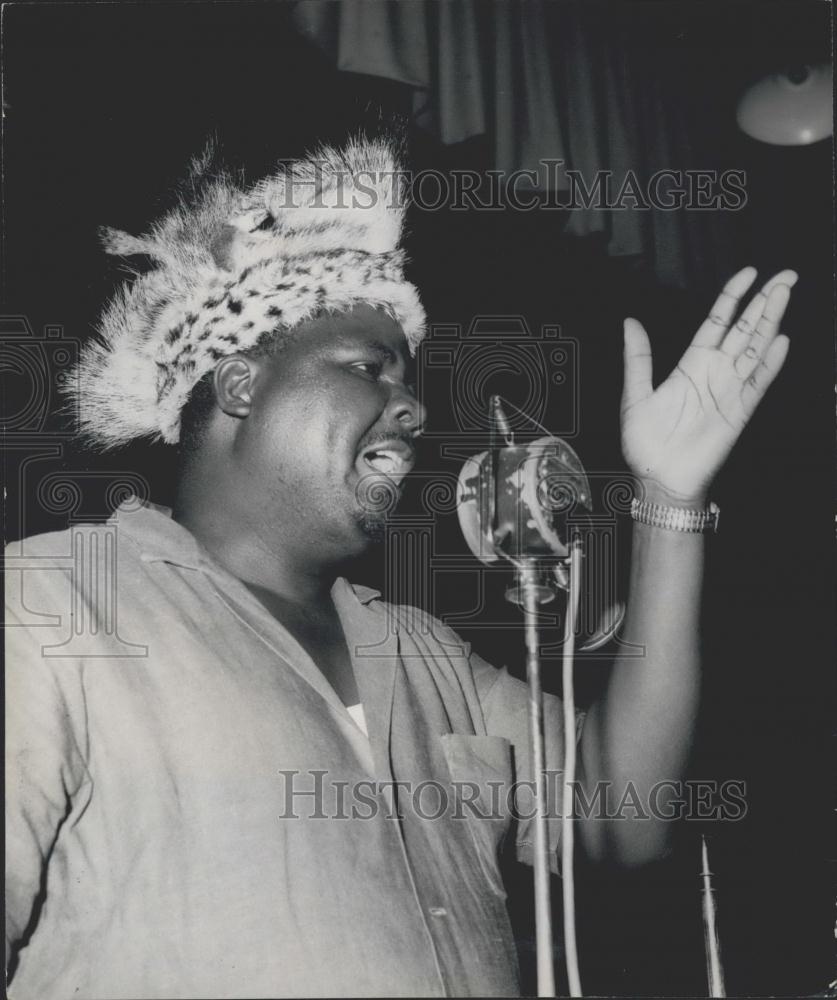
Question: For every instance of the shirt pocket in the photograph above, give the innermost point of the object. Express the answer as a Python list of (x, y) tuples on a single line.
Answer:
[(481, 772)]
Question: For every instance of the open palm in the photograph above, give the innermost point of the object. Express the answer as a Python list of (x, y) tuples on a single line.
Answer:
[(676, 437)]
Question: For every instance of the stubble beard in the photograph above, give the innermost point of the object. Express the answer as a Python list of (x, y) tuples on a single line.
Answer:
[(375, 508), (373, 526)]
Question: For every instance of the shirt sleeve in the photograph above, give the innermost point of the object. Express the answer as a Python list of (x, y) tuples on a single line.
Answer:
[(45, 762), (505, 706)]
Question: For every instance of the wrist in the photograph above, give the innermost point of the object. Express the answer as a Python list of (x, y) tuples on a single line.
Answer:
[(652, 491)]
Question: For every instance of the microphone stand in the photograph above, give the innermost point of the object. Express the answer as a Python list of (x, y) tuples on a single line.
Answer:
[(505, 518), (531, 590), (501, 505)]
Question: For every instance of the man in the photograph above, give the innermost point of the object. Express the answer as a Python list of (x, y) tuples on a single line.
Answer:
[(234, 811)]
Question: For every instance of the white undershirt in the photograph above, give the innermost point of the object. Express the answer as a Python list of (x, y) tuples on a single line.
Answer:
[(357, 713)]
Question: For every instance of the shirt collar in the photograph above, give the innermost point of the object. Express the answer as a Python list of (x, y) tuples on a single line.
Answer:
[(161, 539)]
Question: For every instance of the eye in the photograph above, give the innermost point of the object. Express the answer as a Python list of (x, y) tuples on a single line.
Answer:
[(371, 369)]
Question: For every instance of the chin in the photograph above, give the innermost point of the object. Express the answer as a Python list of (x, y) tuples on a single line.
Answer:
[(373, 526), (377, 502)]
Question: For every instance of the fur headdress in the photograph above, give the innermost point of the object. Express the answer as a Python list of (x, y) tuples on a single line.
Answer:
[(232, 266)]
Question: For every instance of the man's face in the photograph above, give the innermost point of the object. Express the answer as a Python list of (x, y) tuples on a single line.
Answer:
[(330, 433)]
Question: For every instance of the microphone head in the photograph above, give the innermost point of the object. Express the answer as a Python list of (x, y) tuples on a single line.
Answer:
[(516, 501)]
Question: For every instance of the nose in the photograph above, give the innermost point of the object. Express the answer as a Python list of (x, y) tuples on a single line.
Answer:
[(406, 409)]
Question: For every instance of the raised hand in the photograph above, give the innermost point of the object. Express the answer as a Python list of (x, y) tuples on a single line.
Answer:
[(676, 437)]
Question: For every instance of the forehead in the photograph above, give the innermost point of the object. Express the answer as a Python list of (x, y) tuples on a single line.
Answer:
[(362, 326)]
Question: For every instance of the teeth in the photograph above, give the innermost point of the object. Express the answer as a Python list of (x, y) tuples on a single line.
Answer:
[(384, 461), (392, 462)]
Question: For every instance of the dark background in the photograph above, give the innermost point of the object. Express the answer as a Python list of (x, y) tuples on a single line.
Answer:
[(105, 105)]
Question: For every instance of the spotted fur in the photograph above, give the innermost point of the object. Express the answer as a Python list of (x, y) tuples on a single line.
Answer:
[(230, 266)]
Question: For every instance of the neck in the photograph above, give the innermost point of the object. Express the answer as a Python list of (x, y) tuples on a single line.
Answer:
[(264, 553)]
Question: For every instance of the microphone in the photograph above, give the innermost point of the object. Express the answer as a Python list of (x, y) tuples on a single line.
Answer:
[(515, 501), (522, 504)]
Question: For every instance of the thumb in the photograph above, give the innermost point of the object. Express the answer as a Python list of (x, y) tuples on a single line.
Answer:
[(638, 364)]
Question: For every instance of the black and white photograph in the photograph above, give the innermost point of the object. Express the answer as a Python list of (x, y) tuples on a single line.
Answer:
[(418, 510)]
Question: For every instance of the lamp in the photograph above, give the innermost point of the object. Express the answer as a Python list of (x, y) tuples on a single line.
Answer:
[(793, 108)]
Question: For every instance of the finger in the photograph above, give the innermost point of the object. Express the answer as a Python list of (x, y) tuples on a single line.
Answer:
[(739, 336), (638, 364), (722, 313), (768, 368), (764, 332)]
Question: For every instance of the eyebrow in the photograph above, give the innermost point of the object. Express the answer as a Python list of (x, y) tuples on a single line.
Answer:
[(383, 350), (375, 346)]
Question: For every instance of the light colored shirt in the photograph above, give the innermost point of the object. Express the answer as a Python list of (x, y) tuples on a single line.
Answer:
[(164, 736), (357, 713)]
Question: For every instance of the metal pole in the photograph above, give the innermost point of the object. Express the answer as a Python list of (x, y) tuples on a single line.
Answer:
[(567, 828), (543, 912), (714, 969)]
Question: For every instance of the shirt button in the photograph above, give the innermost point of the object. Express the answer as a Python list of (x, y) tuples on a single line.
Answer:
[(438, 911)]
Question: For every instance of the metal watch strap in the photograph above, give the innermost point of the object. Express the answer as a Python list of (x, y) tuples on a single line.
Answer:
[(676, 518)]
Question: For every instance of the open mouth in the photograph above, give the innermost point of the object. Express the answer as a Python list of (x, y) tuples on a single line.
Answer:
[(393, 458)]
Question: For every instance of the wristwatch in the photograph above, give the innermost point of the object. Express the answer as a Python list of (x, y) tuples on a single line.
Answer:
[(676, 518)]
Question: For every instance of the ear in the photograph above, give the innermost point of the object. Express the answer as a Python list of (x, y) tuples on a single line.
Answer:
[(234, 383)]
